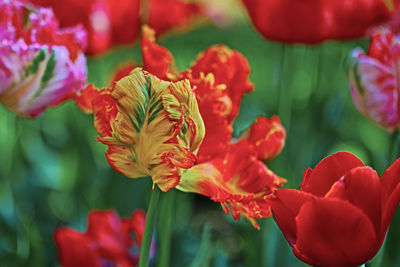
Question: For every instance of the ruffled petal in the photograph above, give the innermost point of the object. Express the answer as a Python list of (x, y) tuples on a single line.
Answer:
[(374, 89), (229, 67), (40, 64), (328, 171), (238, 180), (156, 59), (215, 106), (333, 232), (84, 98), (267, 136)]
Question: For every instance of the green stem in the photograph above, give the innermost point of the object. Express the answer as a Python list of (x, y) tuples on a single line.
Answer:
[(285, 94), (167, 215), (391, 156), (392, 151), (148, 229)]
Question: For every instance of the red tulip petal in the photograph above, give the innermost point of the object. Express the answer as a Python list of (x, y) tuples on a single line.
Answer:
[(390, 182), (123, 71), (268, 136), (328, 171), (333, 232), (168, 14), (314, 21), (285, 205), (238, 179), (156, 59), (75, 249), (361, 187), (229, 67), (84, 98)]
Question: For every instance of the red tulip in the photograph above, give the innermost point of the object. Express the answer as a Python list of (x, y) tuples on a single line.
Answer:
[(373, 79), (342, 212), (107, 241), (314, 21)]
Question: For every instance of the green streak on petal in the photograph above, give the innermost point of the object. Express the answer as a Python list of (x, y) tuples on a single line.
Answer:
[(357, 77), (33, 68), (48, 72)]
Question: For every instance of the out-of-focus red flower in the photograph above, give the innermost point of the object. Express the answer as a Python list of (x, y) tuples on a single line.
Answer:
[(342, 212), (41, 65), (107, 241), (373, 79), (110, 22), (229, 171), (315, 21)]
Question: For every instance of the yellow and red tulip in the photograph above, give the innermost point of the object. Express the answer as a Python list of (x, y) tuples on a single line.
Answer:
[(229, 171), (152, 127)]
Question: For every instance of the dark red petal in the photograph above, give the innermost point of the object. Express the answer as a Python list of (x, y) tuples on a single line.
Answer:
[(125, 20), (390, 183), (333, 232), (285, 205), (328, 171), (314, 21), (361, 187), (75, 249), (168, 14)]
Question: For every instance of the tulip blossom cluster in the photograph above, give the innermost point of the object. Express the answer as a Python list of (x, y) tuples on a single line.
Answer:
[(342, 212), (373, 79), (314, 21), (229, 171), (107, 241), (40, 64), (111, 22)]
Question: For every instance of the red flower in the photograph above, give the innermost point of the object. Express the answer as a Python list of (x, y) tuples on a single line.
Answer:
[(373, 79), (107, 240), (315, 21), (110, 22), (342, 212), (229, 171), (41, 64)]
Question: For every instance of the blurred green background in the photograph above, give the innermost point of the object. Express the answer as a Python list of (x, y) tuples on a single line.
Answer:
[(52, 171)]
